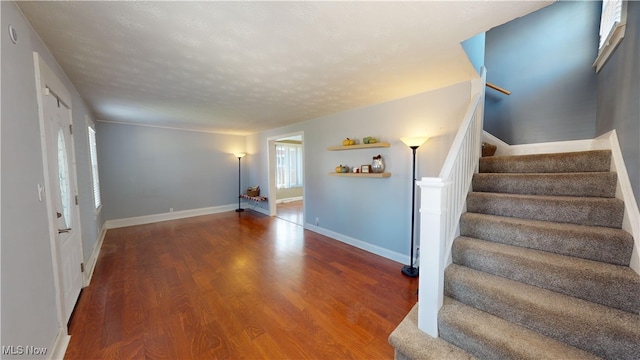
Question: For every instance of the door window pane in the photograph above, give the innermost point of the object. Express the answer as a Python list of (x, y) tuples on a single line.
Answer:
[(63, 177), (288, 166), (94, 167)]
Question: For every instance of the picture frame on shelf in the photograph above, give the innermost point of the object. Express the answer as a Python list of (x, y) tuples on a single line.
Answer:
[(365, 169)]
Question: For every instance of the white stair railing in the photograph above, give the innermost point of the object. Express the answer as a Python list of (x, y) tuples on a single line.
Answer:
[(443, 200)]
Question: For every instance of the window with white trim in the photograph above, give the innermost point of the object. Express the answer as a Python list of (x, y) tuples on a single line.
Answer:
[(93, 159), (288, 166), (613, 21)]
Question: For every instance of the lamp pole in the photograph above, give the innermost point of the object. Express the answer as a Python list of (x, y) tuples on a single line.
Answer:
[(239, 156), (410, 270), (414, 143)]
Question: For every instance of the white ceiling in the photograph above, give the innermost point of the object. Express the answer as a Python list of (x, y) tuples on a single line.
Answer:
[(243, 67)]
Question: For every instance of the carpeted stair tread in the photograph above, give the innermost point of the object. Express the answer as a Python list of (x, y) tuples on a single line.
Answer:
[(566, 209), (597, 243), (593, 184), (410, 342), (611, 285), (583, 161), (598, 329), (489, 337)]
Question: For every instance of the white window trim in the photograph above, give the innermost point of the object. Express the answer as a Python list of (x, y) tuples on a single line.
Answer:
[(91, 125), (615, 36)]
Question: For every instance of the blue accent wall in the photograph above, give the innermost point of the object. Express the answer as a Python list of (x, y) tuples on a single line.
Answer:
[(545, 59), (619, 96), (474, 47)]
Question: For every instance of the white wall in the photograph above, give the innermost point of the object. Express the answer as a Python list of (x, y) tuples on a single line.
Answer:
[(370, 210), (28, 295)]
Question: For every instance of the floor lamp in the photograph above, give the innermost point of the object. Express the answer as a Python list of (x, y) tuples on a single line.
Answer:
[(239, 156), (414, 143)]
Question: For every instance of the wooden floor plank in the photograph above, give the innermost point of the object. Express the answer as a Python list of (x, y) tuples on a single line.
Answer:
[(237, 286)]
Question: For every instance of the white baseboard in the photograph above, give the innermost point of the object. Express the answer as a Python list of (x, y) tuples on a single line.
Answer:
[(291, 199), (631, 222), (60, 345), (90, 265), (543, 148), (149, 219), (380, 251), (552, 147)]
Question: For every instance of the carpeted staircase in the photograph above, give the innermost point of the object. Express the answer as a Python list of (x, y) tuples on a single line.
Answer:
[(540, 270)]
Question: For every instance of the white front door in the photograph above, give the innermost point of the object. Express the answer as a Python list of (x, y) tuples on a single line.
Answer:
[(62, 192)]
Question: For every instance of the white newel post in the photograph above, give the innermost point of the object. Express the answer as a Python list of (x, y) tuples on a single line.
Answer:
[(433, 192)]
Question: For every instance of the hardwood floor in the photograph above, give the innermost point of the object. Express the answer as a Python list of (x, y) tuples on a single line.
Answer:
[(237, 286), (291, 211)]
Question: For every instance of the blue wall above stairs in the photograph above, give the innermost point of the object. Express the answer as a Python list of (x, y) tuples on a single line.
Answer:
[(545, 59)]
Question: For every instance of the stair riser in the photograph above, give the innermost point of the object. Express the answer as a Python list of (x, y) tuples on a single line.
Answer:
[(410, 342), (602, 244), (602, 284), (581, 211), (483, 335), (585, 185), (589, 161), (471, 342), (606, 332)]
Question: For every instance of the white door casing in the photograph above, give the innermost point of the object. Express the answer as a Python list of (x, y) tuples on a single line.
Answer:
[(54, 104), (271, 170)]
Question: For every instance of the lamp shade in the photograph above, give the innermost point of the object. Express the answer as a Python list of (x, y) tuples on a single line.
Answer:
[(416, 141), (239, 155)]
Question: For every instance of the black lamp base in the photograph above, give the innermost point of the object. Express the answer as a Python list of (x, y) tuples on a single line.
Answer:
[(239, 210), (410, 271)]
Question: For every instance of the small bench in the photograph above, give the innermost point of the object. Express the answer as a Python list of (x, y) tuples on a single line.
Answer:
[(254, 198)]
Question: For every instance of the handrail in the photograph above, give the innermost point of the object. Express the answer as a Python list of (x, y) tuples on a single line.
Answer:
[(495, 87)]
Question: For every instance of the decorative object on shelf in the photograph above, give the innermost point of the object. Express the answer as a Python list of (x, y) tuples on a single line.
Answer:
[(253, 191), (369, 140), (414, 143), (348, 142), (239, 156), (359, 146), (361, 174), (363, 171), (377, 166)]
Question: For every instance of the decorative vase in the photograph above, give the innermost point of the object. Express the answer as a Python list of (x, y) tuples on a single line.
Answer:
[(377, 166)]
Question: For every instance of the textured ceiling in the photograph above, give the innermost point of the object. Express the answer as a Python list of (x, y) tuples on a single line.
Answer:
[(242, 67)]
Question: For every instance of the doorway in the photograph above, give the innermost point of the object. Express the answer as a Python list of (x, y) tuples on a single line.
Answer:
[(54, 103), (286, 177)]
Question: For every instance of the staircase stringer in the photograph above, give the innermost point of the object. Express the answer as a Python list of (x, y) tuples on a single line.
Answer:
[(624, 191)]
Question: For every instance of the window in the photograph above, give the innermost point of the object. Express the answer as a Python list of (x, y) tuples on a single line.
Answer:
[(93, 159), (613, 21), (288, 166)]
